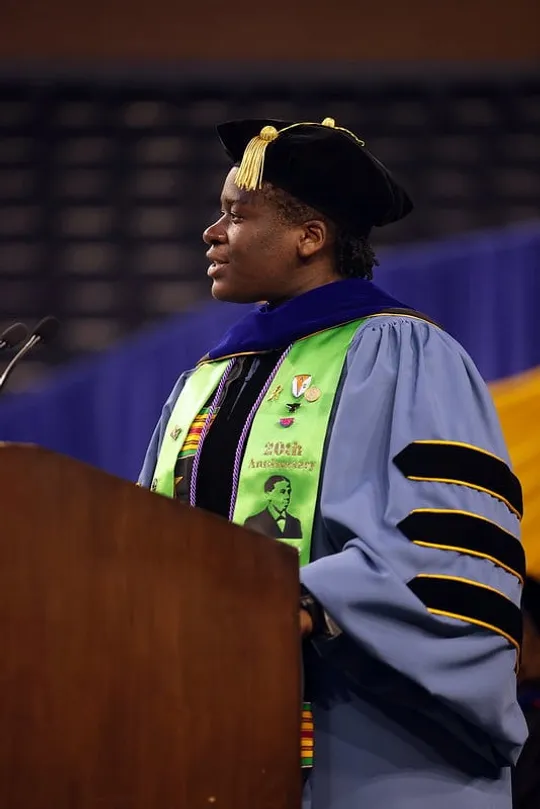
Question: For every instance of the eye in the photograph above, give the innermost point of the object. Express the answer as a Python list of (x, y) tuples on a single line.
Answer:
[(235, 217)]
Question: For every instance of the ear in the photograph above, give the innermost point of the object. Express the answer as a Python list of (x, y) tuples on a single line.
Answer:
[(314, 236)]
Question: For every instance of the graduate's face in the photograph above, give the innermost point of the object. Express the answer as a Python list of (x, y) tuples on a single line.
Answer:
[(255, 255)]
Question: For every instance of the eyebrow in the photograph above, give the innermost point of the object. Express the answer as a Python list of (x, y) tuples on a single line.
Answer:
[(243, 198), (230, 201)]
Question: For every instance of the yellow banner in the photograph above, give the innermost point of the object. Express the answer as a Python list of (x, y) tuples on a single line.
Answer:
[(518, 403)]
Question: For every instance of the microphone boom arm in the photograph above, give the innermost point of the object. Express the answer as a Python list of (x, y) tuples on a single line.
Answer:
[(18, 356), (45, 330)]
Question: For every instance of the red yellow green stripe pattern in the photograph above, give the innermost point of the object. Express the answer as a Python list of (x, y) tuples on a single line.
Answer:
[(190, 445), (306, 736)]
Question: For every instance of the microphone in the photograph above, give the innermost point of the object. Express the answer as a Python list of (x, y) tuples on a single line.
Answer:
[(44, 332), (13, 335)]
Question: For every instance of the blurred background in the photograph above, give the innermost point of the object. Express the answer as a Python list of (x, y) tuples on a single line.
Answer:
[(110, 170)]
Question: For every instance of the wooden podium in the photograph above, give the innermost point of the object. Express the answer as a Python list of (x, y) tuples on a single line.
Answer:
[(149, 652)]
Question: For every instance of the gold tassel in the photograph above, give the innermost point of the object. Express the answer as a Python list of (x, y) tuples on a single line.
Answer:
[(250, 172)]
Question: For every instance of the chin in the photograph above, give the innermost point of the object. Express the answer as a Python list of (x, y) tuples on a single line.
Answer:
[(227, 293)]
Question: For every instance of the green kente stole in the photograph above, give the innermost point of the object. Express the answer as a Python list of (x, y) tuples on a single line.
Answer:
[(276, 476)]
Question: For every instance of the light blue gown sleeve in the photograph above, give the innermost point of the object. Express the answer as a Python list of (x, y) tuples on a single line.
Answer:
[(426, 573), (150, 459)]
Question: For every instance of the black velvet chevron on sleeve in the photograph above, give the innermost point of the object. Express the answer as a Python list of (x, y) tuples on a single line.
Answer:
[(465, 533), (450, 462), (470, 602)]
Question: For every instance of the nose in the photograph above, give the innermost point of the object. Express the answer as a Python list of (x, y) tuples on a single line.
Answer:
[(215, 234)]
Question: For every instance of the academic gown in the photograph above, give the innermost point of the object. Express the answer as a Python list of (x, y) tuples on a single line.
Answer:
[(411, 708)]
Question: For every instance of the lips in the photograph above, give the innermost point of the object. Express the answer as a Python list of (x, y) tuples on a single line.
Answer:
[(217, 265), (216, 259), (216, 271)]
